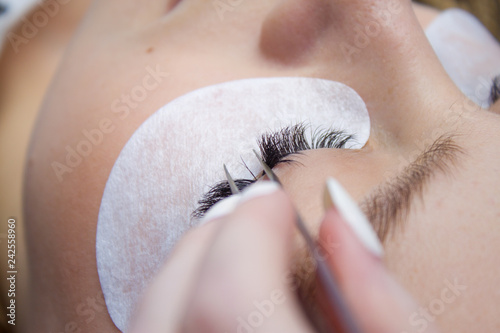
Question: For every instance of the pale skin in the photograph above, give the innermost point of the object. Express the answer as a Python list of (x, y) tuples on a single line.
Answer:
[(207, 256), (404, 86)]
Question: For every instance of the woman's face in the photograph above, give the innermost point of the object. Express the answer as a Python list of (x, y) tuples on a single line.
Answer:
[(428, 176)]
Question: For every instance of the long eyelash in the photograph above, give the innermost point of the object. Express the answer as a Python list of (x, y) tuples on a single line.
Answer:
[(274, 149), (495, 90), (217, 193)]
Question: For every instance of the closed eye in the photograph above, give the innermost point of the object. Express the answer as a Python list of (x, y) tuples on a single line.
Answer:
[(275, 148)]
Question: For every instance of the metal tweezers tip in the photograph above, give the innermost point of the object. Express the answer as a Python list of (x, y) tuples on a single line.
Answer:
[(267, 170), (230, 180)]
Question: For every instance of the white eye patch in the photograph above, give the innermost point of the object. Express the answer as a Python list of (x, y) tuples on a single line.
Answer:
[(177, 154), (468, 51)]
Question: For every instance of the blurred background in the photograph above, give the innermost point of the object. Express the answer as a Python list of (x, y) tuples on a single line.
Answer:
[(25, 74)]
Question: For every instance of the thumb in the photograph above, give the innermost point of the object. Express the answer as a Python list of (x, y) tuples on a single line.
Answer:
[(378, 303)]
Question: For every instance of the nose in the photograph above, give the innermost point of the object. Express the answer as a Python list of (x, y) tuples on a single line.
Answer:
[(293, 28), (377, 47)]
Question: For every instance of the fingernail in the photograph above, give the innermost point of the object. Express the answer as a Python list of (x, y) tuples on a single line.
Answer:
[(337, 196), (259, 189), (221, 209)]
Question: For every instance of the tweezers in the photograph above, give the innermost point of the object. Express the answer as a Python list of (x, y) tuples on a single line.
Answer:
[(343, 321)]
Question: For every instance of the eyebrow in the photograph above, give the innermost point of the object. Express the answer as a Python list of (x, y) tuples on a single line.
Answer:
[(386, 207), (389, 204)]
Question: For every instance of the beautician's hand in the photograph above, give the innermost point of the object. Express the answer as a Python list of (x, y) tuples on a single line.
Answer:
[(229, 275)]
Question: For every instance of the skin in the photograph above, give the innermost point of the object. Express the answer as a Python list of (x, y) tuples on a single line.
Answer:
[(403, 84), (213, 265), (24, 79)]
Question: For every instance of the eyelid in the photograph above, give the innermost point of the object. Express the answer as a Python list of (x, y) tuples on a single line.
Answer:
[(274, 148), (286, 160)]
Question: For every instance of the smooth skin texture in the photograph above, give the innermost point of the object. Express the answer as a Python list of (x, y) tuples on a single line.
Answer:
[(207, 255), (26, 70), (408, 94)]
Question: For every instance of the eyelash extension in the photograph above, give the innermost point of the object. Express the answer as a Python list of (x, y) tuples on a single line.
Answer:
[(217, 193), (495, 90), (274, 149)]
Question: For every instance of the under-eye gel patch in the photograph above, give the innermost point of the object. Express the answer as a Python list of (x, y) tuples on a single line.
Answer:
[(468, 51), (178, 153)]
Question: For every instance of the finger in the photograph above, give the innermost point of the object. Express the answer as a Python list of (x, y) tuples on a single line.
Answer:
[(117, 15), (166, 298), (242, 282), (379, 304)]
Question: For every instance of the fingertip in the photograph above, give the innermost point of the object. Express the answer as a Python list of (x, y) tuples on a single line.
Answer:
[(376, 299), (327, 227), (266, 204)]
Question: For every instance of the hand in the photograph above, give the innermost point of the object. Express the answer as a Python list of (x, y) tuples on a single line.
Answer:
[(228, 275)]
